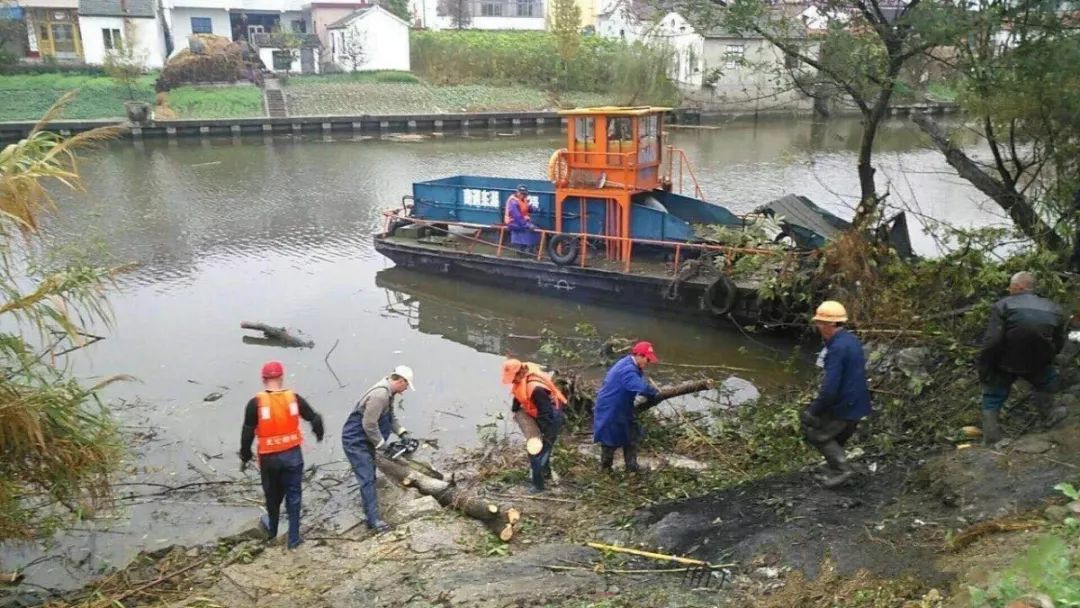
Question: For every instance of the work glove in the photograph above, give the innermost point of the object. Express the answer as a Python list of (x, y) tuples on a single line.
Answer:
[(809, 419)]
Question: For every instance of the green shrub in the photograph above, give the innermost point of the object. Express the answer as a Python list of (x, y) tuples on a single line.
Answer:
[(377, 76), (532, 59)]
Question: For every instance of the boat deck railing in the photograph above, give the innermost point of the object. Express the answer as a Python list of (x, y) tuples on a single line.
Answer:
[(679, 249)]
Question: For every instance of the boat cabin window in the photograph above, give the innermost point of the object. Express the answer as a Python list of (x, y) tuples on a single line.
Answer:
[(584, 132), (648, 138)]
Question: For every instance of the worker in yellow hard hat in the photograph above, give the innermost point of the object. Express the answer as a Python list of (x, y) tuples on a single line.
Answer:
[(844, 397)]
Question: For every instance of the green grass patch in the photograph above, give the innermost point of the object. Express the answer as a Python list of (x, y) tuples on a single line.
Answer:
[(216, 102), (940, 91), (385, 76), (28, 97)]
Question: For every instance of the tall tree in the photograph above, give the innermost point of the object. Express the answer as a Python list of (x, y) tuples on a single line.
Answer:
[(399, 8), (59, 444), (1019, 82), (566, 25), (859, 52), (459, 12)]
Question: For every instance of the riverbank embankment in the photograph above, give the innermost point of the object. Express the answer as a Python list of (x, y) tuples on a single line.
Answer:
[(372, 124)]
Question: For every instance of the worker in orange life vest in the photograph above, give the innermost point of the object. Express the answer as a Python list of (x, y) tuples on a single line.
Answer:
[(518, 220), (536, 394), (273, 416)]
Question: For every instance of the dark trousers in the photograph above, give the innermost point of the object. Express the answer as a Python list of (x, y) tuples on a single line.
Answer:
[(282, 479), (540, 465), (997, 385), (830, 429), (629, 452), (362, 458)]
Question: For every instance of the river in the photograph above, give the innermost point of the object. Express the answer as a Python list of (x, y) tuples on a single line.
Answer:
[(279, 230)]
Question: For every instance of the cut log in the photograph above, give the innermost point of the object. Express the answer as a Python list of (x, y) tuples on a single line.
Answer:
[(279, 334), (499, 519), (675, 390), (534, 443)]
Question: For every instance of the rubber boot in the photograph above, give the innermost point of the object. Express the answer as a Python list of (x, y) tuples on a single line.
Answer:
[(630, 458), (607, 458), (990, 427), (834, 454), (1051, 416)]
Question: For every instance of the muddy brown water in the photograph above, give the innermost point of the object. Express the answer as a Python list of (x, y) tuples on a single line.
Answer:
[(278, 230)]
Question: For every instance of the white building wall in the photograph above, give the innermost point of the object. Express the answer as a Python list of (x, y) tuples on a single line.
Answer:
[(426, 11), (148, 39), (181, 23), (385, 40), (267, 57), (688, 47)]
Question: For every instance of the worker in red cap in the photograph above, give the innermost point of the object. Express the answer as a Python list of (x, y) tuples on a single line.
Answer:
[(535, 393), (614, 423), (273, 415)]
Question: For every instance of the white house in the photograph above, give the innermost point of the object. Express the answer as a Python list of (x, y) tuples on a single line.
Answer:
[(108, 25), (290, 53), (687, 47), (481, 14), (628, 20), (187, 17), (374, 37)]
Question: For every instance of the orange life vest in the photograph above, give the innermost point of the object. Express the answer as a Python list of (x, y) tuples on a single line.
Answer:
[(278, 428), (523, 390), (523, 207)]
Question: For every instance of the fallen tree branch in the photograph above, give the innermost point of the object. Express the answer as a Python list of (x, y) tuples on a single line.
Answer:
[(499, 519), (279, 334)]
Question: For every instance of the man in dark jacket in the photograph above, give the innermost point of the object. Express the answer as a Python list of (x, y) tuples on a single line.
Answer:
[(1023, 335), (614, 423), (844, 397)]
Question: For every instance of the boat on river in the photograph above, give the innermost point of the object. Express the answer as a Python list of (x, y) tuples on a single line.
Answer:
[(621, 220)]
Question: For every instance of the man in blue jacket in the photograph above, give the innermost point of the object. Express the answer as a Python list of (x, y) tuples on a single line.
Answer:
[(614, 425), (844, 397)]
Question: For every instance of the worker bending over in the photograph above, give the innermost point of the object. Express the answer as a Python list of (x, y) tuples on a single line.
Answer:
[(614, 417), (535, 393)]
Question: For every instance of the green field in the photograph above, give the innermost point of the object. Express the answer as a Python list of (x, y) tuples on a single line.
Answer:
[(216, 102), (343, 94), (28, 97)]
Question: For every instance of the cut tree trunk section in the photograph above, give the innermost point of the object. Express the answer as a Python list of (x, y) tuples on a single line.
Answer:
[(676, 390), (499, 519)]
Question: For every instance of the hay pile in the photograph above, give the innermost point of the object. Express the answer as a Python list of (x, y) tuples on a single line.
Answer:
[(210, 58)]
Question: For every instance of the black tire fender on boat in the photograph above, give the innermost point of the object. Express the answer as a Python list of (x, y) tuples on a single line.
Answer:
[(563, 249), (720, 296)]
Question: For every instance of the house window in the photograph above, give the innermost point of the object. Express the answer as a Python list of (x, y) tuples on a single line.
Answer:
[(112, 39), (734, 55), (791, 62), (202, 25), (491, 8), (298, 26), (283, 60), (524, 8)]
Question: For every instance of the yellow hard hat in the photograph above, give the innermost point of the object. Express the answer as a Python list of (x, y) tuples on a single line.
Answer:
[(831, 311)]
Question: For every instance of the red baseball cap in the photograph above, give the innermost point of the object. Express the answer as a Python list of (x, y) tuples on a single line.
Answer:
[(645, 349), (273, 369)]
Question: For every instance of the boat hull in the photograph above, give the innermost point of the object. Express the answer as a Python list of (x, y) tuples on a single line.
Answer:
[(642, 292)]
